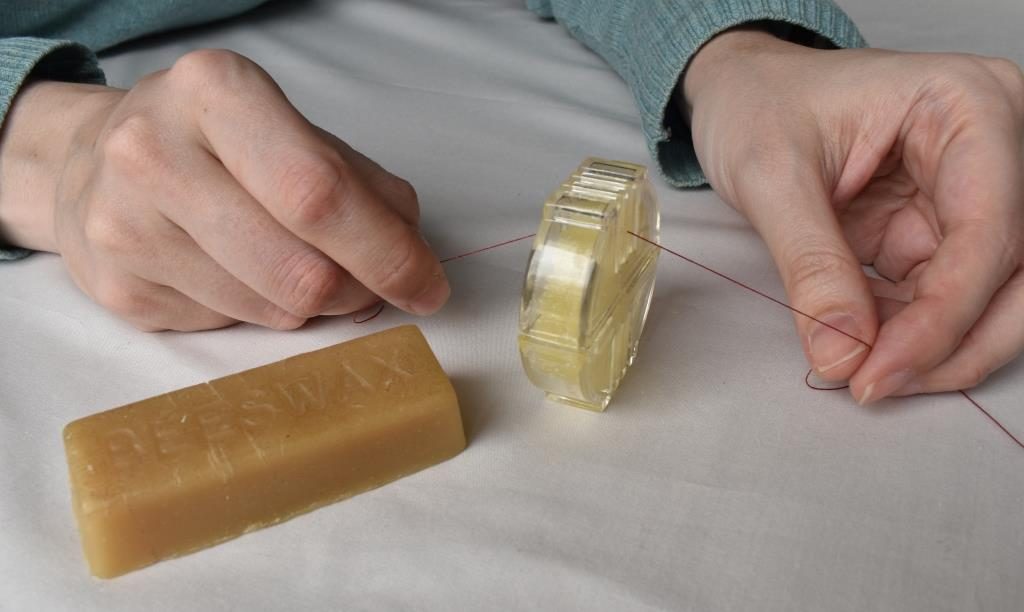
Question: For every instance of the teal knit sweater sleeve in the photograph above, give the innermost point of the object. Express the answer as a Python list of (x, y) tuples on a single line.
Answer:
[(648, 42)]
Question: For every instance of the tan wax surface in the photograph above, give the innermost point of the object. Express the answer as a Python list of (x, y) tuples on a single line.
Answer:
[(188, 469)]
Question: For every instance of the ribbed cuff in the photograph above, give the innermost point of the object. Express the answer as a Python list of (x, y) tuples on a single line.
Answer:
[(651, 42), (56, 60)]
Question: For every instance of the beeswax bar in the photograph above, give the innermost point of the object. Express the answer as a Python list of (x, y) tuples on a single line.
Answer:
[(194, 467)]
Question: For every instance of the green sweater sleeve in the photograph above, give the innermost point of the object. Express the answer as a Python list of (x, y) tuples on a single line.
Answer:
[(650, 42)]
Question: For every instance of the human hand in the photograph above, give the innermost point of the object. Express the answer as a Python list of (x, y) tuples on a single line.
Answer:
[(912, 163), (201, 197)]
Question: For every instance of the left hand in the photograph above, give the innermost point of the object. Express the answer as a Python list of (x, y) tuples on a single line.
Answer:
[(201, 197), (911, 163)]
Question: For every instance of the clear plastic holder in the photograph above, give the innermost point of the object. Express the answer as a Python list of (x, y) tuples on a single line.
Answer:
[(589, 283)]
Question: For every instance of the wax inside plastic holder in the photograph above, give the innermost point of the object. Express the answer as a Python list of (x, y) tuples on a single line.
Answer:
[(589, 283)]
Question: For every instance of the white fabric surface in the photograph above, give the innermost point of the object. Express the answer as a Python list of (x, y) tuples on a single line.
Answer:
[(715, 481)]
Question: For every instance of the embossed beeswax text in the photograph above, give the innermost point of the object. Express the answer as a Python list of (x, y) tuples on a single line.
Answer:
[(254, 412)]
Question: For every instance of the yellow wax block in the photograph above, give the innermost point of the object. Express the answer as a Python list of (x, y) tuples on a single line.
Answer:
[(188, 469)]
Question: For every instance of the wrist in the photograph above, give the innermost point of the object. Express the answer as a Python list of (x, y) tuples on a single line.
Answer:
[(38, 136), (722, 55)]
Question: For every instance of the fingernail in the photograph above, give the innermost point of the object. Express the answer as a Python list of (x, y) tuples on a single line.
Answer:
[(433, 297), (830, 349), (884, 387)]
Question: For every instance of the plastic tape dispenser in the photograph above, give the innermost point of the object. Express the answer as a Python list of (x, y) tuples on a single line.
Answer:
[(589, 283)]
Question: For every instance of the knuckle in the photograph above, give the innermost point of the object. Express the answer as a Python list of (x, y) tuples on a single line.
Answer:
[(105, 233), (1009, 72), (205, 67), (980, 85), (134, 144), (308, 283), (952, 82), (402, 190), (315, 190), (1009, 81), (406, 198), (816, 270)]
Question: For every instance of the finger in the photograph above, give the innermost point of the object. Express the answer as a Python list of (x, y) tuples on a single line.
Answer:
[(890, 297), (184, 267), (909, 239), (324, 201), (893, 231), (902, 291), (307, 186), (978, 201), (244, 240), (152, 307), (866, 217), (821, 274), (888, 308), (396, 192), (891, 226), (996, 339)]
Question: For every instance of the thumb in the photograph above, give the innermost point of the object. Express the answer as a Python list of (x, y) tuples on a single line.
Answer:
[(823, 278)]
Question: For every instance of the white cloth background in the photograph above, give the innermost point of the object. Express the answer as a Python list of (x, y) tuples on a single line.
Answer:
[(715, 481)]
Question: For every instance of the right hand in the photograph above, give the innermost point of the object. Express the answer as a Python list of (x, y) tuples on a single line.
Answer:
[(908, 162), (201, 197)]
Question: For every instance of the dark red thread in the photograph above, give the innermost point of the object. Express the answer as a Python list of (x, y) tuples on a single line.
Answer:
[(992, 418), (381, 304), (486, 248), (376, 313), (1017, 441), (807, 381), (749, 288), (800, 312)]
